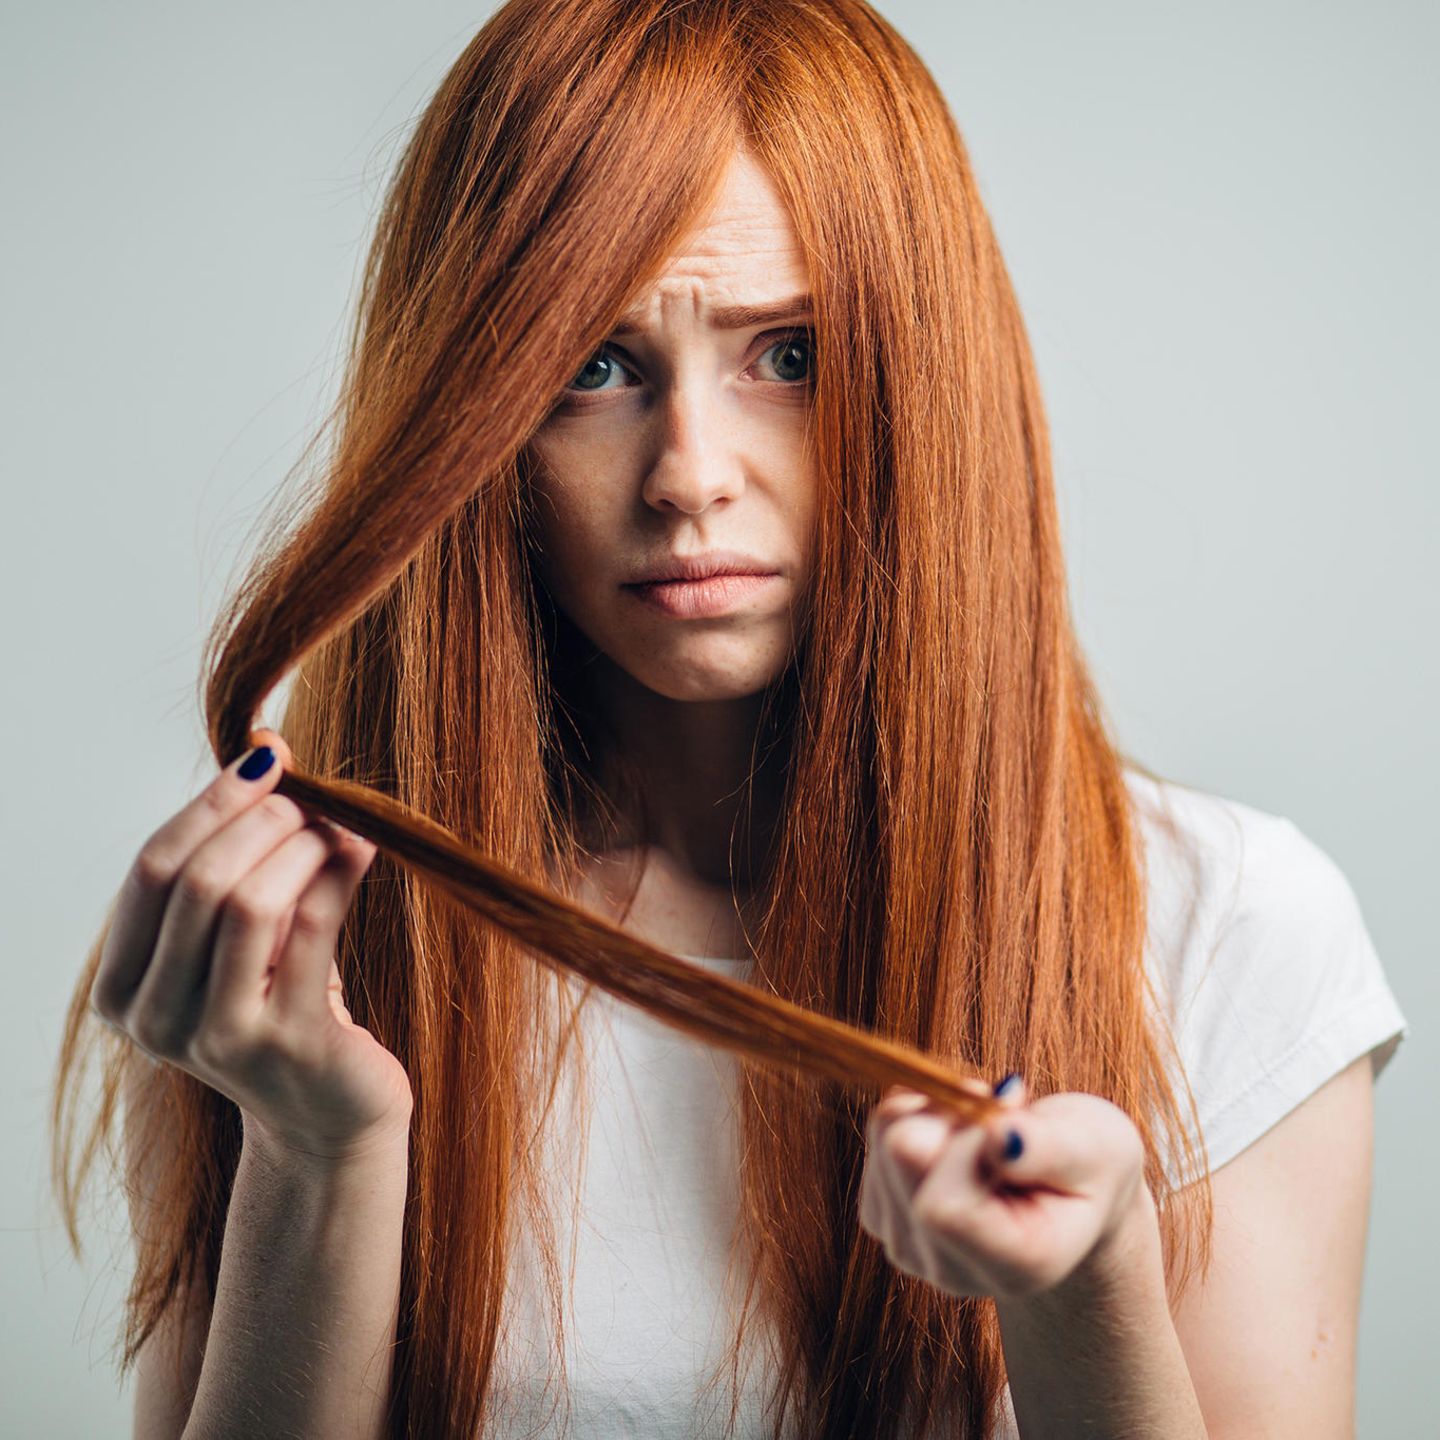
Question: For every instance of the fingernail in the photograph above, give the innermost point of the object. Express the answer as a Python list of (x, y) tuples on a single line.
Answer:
[(1008, 1084), (1014, 1145), (256, 763)]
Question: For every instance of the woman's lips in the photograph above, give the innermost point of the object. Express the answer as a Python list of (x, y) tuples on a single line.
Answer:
[(697, 599)]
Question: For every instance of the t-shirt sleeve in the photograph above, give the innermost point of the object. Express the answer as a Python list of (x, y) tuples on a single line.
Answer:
[(1289, 993)]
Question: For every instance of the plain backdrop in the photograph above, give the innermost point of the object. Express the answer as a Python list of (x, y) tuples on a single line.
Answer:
[(1222, 223)]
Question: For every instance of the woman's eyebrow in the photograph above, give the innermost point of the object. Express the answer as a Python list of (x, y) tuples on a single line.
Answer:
[(735, 317)]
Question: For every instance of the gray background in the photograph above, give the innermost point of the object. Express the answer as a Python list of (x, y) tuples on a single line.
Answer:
[(1221, 220)]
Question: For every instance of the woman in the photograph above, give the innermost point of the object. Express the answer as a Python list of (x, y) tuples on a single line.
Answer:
[(689, 546)]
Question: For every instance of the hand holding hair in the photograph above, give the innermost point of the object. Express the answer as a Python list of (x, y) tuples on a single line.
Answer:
[(221, 960), (1012, 1206)]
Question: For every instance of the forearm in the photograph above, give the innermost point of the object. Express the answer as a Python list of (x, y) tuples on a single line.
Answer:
[(302, 1331), (1098, 1356)]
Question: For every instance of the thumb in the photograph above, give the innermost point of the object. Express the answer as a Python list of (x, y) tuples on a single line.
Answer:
[(1030, 1146), (276, 742)]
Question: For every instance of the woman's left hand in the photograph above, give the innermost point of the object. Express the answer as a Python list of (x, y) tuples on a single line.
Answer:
[(955, 1204)]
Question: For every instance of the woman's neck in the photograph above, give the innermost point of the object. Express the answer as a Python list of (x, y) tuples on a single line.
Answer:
[(695, 783), (696, 792)]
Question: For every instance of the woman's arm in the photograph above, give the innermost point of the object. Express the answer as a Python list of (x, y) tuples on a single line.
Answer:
[(302, 1334), (1098, 1355), (1271, 1336), (1265, 1347), (1043, 1207)]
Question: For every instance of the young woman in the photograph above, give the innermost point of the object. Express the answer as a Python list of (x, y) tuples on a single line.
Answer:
[(690, 547)]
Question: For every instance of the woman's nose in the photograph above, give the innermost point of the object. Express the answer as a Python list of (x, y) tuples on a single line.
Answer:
[(696, 460)]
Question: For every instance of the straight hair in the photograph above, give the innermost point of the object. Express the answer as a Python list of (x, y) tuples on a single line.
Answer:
[(956, 886)]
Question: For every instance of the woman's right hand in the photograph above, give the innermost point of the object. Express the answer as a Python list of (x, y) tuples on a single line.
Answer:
[(220, 959)]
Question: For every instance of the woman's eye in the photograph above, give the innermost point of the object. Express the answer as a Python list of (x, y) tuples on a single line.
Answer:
[(789, 360), (594, 374), (793, 358)]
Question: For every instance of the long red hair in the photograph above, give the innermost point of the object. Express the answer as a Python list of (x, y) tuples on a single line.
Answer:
[(956, 883)]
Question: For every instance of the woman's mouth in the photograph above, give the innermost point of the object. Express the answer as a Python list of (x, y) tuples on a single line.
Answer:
[(699, 599)]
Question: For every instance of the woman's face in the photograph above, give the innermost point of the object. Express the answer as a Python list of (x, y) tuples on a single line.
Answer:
[(684, 435)]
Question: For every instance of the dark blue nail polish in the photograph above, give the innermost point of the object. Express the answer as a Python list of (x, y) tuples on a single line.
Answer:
[(256, 763), (1007, 1084), (1013, 1145)]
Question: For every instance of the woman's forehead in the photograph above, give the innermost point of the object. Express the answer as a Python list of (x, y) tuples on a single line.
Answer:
[(741, 265)]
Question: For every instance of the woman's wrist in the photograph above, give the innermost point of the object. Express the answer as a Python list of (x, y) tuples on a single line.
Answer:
[(1122, 1273), (1098, 1353), (380, 1152)]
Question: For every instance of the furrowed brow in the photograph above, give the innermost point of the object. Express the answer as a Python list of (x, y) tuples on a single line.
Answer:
[(736, 317)]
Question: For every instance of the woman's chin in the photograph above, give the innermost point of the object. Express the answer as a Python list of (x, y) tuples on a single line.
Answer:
[(704, 677)]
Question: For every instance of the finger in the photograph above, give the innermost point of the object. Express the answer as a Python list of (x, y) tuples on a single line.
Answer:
[(305, 967), (946, 1147), (254, 925), (912, 1144), (1035, 1148), (973, 1085), (955, 1178), (140, 905), (1010, 1095), (168, 1001), (879, 1202), (898, 1100)]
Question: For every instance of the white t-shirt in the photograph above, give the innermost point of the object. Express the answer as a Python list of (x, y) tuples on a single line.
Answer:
[(1256, 941)]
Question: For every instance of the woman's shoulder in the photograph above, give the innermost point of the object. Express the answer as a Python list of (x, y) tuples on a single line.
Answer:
[(1260, 954), (1215, 863)]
